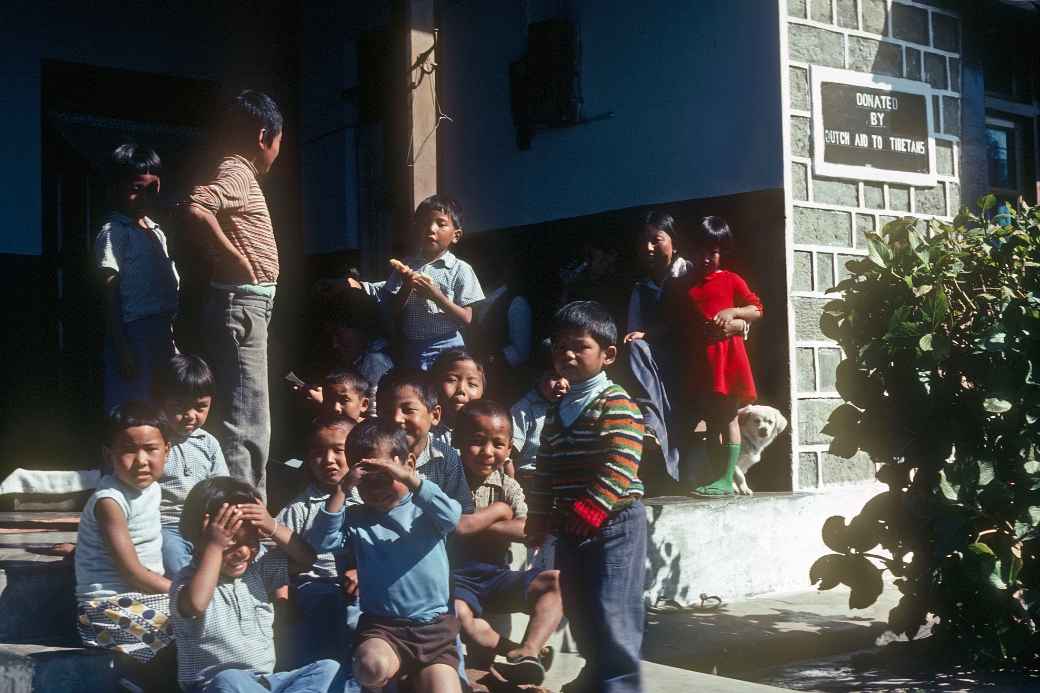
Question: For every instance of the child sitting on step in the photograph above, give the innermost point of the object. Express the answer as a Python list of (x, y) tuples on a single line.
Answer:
[(120, 589)]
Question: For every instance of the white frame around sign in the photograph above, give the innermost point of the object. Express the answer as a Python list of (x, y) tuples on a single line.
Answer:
[(821, 74)]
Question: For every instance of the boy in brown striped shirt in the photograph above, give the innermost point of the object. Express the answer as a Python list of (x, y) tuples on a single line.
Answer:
[(230, 214)]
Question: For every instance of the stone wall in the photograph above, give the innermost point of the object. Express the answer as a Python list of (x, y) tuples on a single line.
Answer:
[(827, 218)]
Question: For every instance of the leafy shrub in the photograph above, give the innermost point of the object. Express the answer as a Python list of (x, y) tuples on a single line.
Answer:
[(941, 382)]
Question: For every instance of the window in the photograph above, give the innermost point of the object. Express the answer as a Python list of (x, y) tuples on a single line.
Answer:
[(1001, 158)]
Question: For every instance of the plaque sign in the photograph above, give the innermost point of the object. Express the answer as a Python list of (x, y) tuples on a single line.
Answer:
[(871, 127)]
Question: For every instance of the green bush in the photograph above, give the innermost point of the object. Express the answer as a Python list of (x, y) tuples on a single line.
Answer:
[(941, 382)]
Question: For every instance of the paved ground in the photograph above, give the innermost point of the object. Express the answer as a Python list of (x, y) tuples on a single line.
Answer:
[(765, 631), (892, 672)]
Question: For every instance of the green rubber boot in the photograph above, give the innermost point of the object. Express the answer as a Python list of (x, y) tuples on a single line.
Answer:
[(723, 486)]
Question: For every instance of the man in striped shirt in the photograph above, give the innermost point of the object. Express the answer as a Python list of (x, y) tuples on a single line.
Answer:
[(230, 214), (586, 487)]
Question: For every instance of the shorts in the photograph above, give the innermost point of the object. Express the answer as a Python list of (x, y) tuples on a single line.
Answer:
[(490, 588), (417, 645)]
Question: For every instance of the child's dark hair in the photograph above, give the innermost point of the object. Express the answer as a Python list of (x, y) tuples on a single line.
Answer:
[(589, 317), (466, 421), (449, 358), (662, 221), (135, 413), (130, 159), (250, 112), (345, 376), (206, 497), (711, 232), (323, 421), (366, 438), (541, 359), (440, 203), (396, 378), (183, 376)]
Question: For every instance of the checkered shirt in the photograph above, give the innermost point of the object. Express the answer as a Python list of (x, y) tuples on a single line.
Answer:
[(236, 631), (422, 318), (441, 464), (196, 458), (299, 515)]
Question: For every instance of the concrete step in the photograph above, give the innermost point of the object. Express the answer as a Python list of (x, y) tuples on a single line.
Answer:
[(37, 589), (26, 668), (767, 631)]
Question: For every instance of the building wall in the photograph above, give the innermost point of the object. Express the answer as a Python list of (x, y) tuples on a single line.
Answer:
[(826, 218), (693, 87), (240, 47)]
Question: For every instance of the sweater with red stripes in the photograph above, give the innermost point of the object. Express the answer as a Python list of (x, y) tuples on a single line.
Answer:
[(589, 469)]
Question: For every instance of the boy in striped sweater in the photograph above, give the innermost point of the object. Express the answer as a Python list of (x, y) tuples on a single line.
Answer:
[(586, 488)]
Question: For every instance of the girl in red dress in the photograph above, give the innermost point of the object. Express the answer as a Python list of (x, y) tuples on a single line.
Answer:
[(719, 379)]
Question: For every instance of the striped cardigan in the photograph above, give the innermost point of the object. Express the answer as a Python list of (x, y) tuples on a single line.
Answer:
[(590, 468)]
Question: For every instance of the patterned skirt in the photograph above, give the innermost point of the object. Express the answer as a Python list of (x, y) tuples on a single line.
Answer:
[(135, 624)]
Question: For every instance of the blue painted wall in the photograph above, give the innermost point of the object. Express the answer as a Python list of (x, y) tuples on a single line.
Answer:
[(695, 88), (235, 44)]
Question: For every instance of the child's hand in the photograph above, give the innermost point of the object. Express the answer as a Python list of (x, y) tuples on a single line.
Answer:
[(220, 530), (427, 287), (257, 515), (535, 529), (350, 583), (352, 478), (394, 470), (633, 336), (354, 283), (502, 510), (724, 316)]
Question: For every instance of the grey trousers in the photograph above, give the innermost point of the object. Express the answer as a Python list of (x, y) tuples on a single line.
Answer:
[(236, 338)]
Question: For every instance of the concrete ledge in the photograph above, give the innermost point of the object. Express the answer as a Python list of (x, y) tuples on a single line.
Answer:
[(658, 678), (739, 547), (26, 668)]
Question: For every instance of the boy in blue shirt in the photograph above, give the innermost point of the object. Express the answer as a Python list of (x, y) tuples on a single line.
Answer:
[(433, 291), (398, 539)]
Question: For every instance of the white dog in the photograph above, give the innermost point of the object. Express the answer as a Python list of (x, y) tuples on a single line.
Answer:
[(759, 426)]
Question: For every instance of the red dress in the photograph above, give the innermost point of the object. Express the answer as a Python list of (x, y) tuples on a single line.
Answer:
[(718, 366)]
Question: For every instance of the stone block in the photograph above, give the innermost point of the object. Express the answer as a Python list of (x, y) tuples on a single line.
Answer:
[(812, 417), (806, 370), (951, 106), (814, 45), (910, 23), (796, 8), (808, 470), (955, 74), (799, 79), (935, 70), (824, 271), (843, 272), (829, 360), (944, 157), (873, 195), (877, 57), (884, 219), (899, 198), (807, 312), (802, 280), (800, 136), (931, 200), (847, 16), (946, 32), (821, 12), (954, 194), (836, 192), (838, 470), (864, 224), (875, 16), (913, 63), (822, 227), (799, 181)]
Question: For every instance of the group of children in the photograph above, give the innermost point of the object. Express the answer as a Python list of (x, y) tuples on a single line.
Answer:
[(418, 480)]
